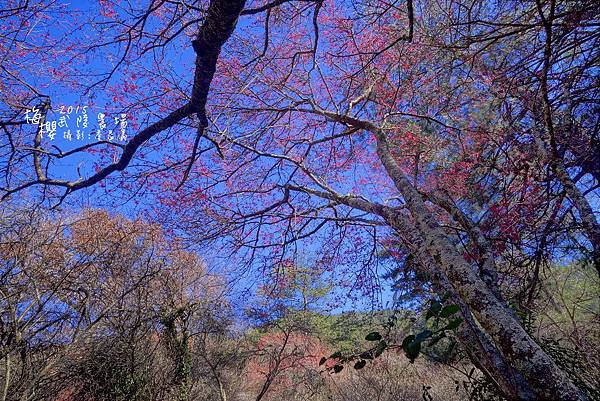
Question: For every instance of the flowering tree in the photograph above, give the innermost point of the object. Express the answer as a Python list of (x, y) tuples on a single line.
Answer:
[(284, 362), (459, 132)]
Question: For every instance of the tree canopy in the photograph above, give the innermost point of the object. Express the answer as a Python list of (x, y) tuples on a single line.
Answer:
[(456, 141)]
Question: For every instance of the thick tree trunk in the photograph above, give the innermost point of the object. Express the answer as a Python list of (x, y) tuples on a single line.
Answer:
[(480, 348), (505, 333), (524, 354), (488, 359), (487, 269), (496, 319)]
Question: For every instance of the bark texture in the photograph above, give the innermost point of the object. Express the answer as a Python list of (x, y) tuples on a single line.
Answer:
[(496, 319)]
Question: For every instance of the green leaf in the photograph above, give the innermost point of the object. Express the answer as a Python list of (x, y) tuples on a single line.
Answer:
[(337, 368), (407, 340), (360, 364), (434, 309), (449, 310), (322, 361), (412, 351), (374, 336)]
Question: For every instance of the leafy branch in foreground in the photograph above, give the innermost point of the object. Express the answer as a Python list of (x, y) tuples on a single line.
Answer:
[(444, 320)]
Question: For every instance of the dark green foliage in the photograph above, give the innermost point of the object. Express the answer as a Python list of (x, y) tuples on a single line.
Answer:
[(374, 336), (412, 344)]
